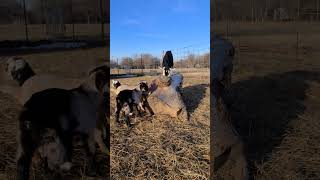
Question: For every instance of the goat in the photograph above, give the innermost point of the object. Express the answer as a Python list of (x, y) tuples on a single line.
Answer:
[(222, 56), (69, 112), (129, 99), (142, 86), (118, 87), (167, 64), (18, 70), (225, 141)]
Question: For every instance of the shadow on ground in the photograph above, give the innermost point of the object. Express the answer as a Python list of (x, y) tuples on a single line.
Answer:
[(262, 107), (192, 96)]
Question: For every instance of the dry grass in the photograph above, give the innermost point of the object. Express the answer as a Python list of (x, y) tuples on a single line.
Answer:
[(165, 148), (70, 64), (275, 99)]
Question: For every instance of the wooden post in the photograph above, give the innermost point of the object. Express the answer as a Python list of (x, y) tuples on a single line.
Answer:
[(25, 20)]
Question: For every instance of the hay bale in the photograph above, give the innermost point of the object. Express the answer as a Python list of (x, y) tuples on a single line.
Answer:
[(166, 98)]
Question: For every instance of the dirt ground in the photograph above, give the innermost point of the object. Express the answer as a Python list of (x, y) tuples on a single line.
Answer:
[(69, 64), (163, 147)]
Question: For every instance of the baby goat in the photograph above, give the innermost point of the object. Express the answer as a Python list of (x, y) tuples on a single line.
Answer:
[(68, 112), (129, 99)]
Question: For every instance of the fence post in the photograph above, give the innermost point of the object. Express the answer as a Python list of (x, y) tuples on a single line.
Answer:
[(118, 65), (317, 10), (25, 20), (297, 46), (72, 20), (141, 64), (101, 19), (298, 10)]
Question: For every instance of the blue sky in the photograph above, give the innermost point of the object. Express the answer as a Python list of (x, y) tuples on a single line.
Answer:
[(151, 26)]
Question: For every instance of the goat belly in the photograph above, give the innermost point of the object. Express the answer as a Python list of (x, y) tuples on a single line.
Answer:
[(47, 108), (85, 111)]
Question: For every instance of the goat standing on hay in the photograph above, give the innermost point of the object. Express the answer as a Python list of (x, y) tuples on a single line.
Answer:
[(166, 91), (128, 99), (167, 64), (67, 112), (225, 141)]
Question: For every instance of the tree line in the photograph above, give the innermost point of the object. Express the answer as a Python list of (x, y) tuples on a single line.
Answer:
[(148, 61)]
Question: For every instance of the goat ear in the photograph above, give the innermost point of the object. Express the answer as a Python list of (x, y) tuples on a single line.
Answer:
[(101, 80), (104, 68)]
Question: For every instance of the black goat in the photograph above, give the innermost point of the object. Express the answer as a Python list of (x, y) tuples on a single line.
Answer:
[(128, 100), (167, 63)]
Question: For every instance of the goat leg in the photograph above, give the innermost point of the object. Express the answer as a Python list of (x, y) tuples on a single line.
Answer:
[(66, 138), (138, 111), (98, 137), (146, 104), (24, 156), (89, 145)]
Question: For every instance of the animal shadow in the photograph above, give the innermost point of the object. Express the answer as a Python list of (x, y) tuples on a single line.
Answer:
[(262, 107), (192, 96)]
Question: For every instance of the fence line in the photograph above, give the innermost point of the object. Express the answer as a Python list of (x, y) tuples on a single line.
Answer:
[(51, 19), (191, 56)]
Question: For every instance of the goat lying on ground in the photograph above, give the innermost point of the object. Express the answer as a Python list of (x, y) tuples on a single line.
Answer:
[(68, 112), (129, 99)]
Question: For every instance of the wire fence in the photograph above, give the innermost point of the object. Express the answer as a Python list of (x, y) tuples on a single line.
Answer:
[(195, 56), (34, 20), (292, 40)]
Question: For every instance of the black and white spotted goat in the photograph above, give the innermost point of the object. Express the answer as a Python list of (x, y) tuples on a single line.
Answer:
[(167, 64), (128, 99), (80, 112)]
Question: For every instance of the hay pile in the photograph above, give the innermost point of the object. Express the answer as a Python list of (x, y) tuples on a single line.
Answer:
[(166, 97), (164, 148)]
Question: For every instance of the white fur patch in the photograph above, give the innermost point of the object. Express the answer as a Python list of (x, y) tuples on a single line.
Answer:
[(66, 166)]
